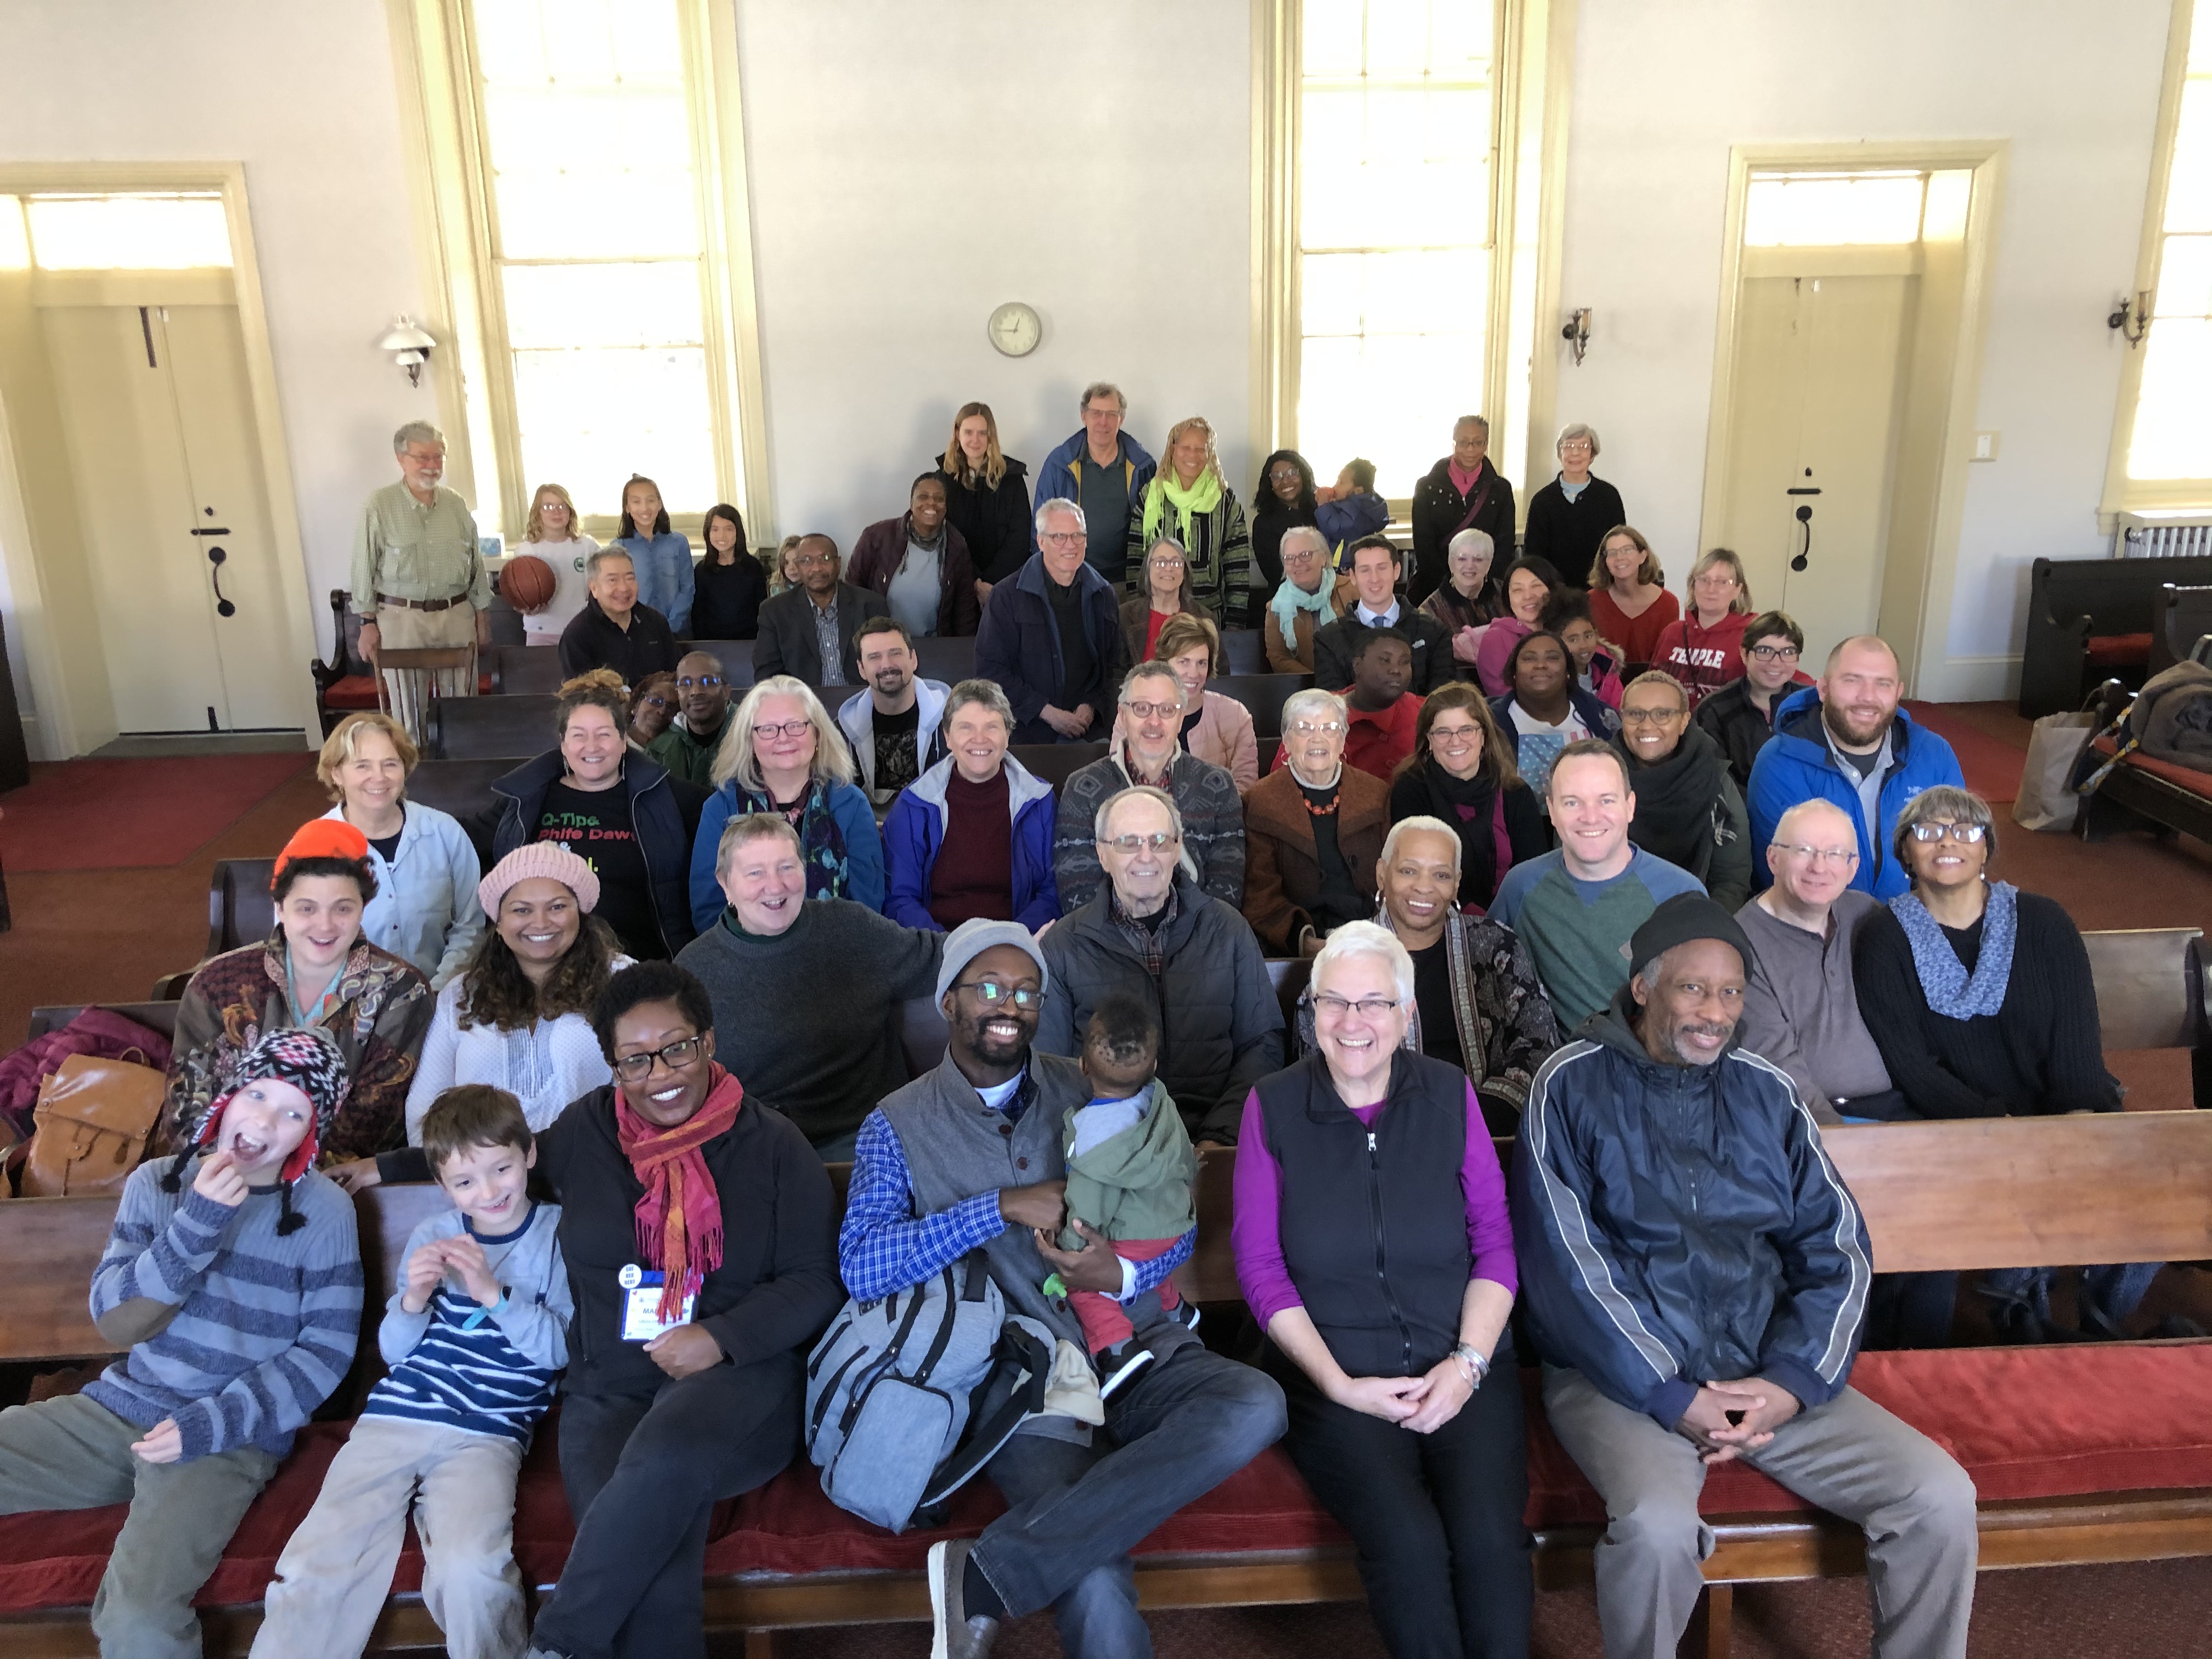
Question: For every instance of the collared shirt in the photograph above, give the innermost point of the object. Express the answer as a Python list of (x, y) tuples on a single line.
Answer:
[(827, 642), (1143, 932), (1379, 618), (414, 551)]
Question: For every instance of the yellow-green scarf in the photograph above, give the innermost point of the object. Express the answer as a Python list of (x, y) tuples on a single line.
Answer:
[(1200, 498)]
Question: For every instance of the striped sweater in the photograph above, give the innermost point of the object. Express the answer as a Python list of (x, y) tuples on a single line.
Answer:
[(483, 1370), (236, 1332)]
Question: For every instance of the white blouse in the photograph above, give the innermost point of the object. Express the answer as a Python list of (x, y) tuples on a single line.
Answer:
[(544, 1066)]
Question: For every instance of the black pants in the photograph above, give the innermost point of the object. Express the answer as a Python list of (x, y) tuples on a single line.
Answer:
[(1437, 1518), (643, 1473)]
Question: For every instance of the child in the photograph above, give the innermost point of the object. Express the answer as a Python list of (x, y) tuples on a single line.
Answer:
[(475, 1338), (1597, 669), (240, 1298), (1130, 1167), (1350, 509)]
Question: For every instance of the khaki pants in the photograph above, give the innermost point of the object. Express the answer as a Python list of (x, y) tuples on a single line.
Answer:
[(75, 1454), (408, 689), (334, 1574)]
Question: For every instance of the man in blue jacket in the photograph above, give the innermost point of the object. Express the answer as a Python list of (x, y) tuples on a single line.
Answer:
[(1051, 636), (1847, 740), (1103, 470), (1695, 1274)]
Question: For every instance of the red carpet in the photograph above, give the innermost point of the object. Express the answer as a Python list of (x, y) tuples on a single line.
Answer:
[(133, 814), (1992, 766)]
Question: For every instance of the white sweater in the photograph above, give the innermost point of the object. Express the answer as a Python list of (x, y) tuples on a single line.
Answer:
[(544, 1066)]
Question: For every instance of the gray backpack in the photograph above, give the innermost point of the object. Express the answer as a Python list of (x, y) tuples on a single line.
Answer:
[(890, 1386)]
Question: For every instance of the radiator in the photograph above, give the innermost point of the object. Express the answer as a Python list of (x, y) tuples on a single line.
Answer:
[(2162, 535)]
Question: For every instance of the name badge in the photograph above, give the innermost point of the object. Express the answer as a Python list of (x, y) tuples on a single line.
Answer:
[(641, 1319)]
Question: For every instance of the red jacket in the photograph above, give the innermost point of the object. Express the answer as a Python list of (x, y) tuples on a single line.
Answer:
[(882, 549)]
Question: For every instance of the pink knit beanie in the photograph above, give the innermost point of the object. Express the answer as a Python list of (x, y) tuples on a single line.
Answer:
[(548, 858)]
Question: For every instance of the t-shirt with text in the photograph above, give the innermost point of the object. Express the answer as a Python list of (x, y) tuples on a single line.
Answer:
[(595, 825)]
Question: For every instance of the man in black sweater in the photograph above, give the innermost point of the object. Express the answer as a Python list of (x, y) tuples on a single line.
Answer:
[(613, 630)]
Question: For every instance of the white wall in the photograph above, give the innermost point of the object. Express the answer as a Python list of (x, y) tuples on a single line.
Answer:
[(305, 95), (1660, 95), (913, 165)]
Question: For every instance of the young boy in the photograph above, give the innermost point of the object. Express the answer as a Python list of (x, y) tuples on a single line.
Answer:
[(1567, 613), (1130, 1169), (239, 1296), (475, 1337), (1349, 509)]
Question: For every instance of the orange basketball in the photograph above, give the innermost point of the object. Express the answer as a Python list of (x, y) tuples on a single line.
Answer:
[(527, 583)]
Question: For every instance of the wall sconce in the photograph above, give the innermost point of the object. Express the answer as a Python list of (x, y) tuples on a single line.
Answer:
[(1577, 332), (410, 348), (2132, 317)]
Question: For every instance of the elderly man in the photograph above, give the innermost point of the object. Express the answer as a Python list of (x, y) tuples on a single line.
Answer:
[(971, 1158), (1375, 568), (1847, 740), (894, 726), (808, 631), (1695, 1275), (418, 580), (1147, 748), (1052, 636), (703, 696), (1154, 931), (1578, 904), (1103, 470), (806, 992), (613, 630), (1312, 595)]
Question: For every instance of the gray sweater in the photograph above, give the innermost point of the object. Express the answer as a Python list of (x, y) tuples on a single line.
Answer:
[(1800, 1009), (808, 1021)]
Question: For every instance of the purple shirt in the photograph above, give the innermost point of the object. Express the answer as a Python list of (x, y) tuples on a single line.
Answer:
[(1255, 1233)]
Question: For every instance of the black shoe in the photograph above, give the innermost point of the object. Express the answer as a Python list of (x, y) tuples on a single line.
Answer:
[(953, 1633), (1184, 1313), (1119, 1365)]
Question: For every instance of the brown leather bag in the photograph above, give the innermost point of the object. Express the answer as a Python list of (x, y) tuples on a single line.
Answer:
[(93, 1121)]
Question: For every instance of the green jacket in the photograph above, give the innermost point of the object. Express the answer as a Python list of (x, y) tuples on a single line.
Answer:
[(1137, 1185), (686, 756)]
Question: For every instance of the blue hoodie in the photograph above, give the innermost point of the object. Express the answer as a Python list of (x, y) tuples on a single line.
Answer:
[(1799, 766), (1061, 478), (916, 830)]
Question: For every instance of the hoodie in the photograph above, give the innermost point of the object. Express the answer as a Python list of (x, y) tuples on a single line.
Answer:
[(856, 719)]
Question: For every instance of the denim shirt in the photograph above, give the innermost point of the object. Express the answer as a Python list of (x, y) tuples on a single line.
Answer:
[(425, 910)]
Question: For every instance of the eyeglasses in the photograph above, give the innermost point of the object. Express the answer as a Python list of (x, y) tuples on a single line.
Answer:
[(1652, 716), (1842, 857), (1775, 653), (1061, 537), (1934, 830), (1168, 562), (677, 1056), (802, 560), (652, 699), (788, 729), (1337, 1007), (1453, 734), (1159, 840), (1309, 728), (704, 682), (993, 993), (1153, 711)]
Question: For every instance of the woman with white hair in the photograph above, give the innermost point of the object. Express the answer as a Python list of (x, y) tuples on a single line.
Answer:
[(1471, 596), (1312, 595), (1462, 492), (1190, 502), (782, 753), (1403, 1393), (1569, 516), (1313, 828)]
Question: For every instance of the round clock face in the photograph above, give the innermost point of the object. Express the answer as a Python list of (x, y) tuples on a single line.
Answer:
[(1015, 330)]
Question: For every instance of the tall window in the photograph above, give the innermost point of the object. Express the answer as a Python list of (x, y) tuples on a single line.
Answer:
[(2172, 434), (1394, 229)]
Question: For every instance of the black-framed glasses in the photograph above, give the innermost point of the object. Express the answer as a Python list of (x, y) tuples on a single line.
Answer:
[(1776, 653), (787, 729), (1652, 716), (704, 682), (1934, 829), (994, 991), (678, 1056)]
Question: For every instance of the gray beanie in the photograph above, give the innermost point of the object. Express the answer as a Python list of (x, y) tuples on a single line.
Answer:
[(971, 939)]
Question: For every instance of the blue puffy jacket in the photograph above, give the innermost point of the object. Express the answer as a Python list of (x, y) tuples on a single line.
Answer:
[(1799, 766), (863, 879), (916, 830), (1679, 1225)]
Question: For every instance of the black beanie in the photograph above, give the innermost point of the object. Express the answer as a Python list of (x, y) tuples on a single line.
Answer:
[(1682, 918)]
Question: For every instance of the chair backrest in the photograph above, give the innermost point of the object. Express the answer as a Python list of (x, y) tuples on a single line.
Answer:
[(922, 1035), (2149, 984), (504, 620), (461, 787), (1056, 762), (736, 657), (239, 908), (485, 729), (521, 671), (2118, 596), (1290, 976), (2180, 618), (346, 627), (1243, 651), (1264, 695), (950, 659), (160, 1016)]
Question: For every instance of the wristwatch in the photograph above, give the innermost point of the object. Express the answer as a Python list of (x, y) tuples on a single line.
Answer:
[(1477, 1366)]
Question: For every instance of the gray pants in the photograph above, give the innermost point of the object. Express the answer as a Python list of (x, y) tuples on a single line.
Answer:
[(75, 1454), (1850, 1456)]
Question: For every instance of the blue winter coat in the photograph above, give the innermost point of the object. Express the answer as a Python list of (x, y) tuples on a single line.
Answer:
[(1799, 766), (1018, 646), (1059, 476), (856, 822), (1345, 522), (916, 830)]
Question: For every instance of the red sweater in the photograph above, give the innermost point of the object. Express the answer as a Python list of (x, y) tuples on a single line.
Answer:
[(1638, 635), (974, 875)]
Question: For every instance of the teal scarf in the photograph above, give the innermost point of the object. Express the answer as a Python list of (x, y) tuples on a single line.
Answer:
[(1290, 599)]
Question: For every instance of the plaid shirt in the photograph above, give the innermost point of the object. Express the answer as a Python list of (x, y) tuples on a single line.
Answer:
[(1145, 940)]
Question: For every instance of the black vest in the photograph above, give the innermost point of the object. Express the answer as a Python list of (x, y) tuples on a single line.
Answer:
[(1373, 1225)]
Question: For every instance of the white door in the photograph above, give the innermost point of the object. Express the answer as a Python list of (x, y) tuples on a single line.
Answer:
[(1814, 438), (179, 537)]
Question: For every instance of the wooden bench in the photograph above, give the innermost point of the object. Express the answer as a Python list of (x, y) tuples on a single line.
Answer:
[(345, 686), (2087, 618), (2181, 620), (2142, 791)]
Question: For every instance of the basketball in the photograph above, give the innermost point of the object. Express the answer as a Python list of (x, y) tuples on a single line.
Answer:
[(527, 582)]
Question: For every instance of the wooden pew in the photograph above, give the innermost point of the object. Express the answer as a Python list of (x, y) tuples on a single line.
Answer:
[(2087, 618), (2181, 618)]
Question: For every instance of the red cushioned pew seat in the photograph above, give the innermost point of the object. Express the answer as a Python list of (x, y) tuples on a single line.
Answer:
[(2118, 650)]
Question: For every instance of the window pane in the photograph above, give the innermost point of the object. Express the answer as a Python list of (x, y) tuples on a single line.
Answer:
[(2184, 277), (1397, 37), (1330, 293), (1385, 168), (2188, 189), (1391, 399), (590, 417), (1832, 212), (128, 233), (14, 238), (1332, 36), (2173, 423), (629, 304)]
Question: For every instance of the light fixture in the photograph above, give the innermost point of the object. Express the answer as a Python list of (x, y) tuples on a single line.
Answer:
[(1577, 332), (410, 348), (2132, 317)]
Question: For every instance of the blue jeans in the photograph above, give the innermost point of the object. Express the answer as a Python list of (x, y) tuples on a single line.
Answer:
[(2108, 1294)]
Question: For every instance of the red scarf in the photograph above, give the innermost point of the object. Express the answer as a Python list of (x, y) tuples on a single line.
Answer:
[(679, 1219)]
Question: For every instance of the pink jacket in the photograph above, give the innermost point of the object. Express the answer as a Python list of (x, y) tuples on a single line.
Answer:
[(1224, 738)]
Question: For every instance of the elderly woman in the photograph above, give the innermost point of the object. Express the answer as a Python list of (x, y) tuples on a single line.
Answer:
[(986, 497), (1528, 586), (1980, 998), (425, 867), (315, 969), (918, 563), (1218, 729), (651, 707), (972, 836), (1544, 710), (729, 1214), (782, 753), (1166, 596), (1462, 492), (1313, 828), (1462, 773), (1284, 501), (1704, 648), (1312, 595), (1569, 516), (1688, 809), (1628, 596), (1470, 599), (1404, 1394), (1190, 503), (595, 792)]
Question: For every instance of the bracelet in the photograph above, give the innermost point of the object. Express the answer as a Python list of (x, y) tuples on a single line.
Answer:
[(1477, 1367)]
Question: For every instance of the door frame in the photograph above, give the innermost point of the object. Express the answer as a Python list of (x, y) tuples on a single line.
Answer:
[(1923, 650), (76, 711)]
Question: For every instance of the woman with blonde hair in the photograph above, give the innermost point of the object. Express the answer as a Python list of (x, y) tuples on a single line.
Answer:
[(551, 533), (781, 753), (1628, 596), (786, 575), (1190, 501), (986, 497), (1704, 649)]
